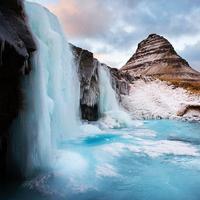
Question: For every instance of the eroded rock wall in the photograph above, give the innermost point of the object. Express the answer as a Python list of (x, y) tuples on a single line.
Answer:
[(89, 87), (16, 47)]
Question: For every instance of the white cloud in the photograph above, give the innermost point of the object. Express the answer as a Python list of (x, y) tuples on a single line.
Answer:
[(112, 29), (88, 19)]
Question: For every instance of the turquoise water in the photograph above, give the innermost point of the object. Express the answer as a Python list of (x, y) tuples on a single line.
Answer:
[(155, 160)]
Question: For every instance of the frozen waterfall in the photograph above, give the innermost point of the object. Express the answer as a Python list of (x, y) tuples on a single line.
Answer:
[(51, 105), (112, 113)]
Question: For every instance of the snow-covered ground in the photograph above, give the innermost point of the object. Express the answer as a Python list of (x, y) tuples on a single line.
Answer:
[(158, 99)]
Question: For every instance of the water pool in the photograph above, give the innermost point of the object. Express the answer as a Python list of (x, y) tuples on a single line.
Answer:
[(155, 160)]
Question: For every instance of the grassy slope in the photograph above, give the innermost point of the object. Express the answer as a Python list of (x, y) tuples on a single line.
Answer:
[(192, 86)]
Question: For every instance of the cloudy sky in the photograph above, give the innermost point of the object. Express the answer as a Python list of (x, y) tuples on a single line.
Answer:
[(111, 29)]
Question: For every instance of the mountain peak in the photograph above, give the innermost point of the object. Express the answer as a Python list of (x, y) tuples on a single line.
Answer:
[(154, 35), (155, 56), (153, 48)]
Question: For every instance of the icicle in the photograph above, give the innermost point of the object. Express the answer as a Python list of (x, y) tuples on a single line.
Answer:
[(25, 68)]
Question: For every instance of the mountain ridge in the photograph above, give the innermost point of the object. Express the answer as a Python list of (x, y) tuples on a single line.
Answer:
[(156, 58), (157, 51)]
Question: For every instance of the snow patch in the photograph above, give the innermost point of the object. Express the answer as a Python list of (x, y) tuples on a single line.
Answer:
[(157, 99)]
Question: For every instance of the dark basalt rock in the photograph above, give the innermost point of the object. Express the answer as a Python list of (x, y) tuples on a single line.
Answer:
[(89, 87), (16, 47), (156, 57)]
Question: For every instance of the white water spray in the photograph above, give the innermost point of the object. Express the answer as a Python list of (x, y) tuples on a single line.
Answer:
[(51, 95)]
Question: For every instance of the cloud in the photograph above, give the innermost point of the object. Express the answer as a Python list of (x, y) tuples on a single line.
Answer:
[(88, 18), (111, 28), (192, 54)]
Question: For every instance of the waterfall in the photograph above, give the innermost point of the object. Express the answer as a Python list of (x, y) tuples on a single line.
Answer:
[(112, 113), (51, 92)]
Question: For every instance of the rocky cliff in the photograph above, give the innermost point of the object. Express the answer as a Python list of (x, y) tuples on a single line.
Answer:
[(155, 57), (89, 88), (16, 47), (120, 81), (89, 82)]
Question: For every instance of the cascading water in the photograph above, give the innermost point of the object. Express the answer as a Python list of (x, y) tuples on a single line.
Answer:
[(113, 115), (51, 95)]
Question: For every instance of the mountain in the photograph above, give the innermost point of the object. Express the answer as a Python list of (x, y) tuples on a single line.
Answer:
[(155, 57)]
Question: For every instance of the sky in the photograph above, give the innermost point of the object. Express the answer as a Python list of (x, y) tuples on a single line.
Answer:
[(111, 29)]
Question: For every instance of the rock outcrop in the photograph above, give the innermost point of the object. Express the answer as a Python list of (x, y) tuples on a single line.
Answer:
[(120, 81), (89, 82), (188, 108), (155, 57), (16, 47), (89, 87)]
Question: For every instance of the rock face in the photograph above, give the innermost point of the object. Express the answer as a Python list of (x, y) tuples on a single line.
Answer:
[(89, 82), (16, 47), (120, 81), (156, 57), (89, 87)]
